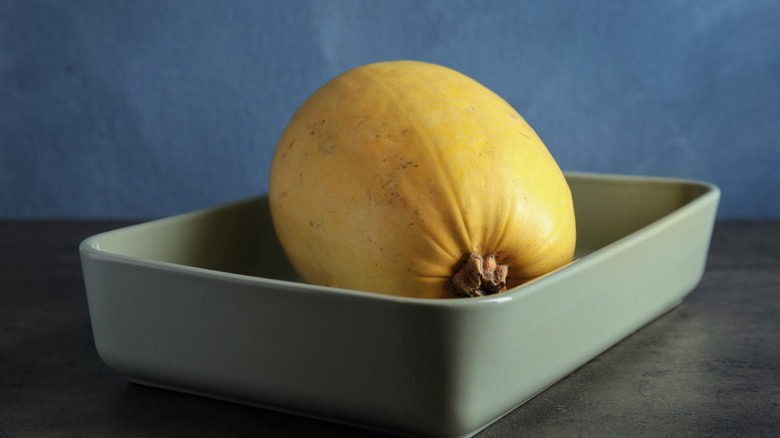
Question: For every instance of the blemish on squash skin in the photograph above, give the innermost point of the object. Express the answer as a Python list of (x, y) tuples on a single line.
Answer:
[(405, 165), (390, 189), (315, 126), (325, 147)]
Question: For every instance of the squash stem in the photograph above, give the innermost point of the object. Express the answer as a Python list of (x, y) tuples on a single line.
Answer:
[(478, 276)]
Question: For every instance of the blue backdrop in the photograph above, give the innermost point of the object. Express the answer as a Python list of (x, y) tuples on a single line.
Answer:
[(149, 108)]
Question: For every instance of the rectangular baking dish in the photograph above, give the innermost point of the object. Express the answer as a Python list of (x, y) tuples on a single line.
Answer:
[(206, 303)]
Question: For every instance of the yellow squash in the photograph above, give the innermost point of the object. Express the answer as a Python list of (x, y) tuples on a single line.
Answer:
[(409, 178)]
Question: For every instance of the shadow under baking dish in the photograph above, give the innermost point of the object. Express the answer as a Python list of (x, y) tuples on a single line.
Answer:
[(206, 303)]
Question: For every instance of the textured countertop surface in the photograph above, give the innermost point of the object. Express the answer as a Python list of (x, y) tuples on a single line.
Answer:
[(709, 367)]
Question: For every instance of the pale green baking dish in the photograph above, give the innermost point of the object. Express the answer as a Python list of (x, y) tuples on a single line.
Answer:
[(206, 303)]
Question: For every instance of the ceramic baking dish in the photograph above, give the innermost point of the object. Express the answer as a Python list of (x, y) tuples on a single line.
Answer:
[(206, 303)]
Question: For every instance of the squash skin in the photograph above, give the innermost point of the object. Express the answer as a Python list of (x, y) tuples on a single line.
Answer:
[(390, 173)]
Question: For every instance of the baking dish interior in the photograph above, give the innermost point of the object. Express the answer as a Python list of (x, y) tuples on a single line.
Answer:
[(239, 237)]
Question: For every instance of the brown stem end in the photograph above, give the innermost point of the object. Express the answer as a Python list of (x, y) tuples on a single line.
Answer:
[(479, 276)]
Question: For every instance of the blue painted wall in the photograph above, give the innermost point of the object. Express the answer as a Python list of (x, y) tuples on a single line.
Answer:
[(150, 108)]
